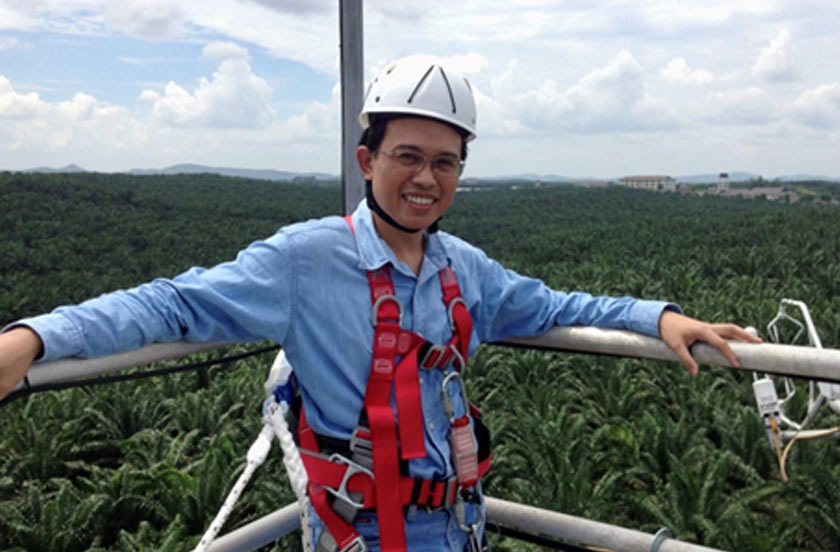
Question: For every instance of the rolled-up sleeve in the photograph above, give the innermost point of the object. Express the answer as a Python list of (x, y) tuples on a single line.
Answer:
[(247, 299), (512, 305)]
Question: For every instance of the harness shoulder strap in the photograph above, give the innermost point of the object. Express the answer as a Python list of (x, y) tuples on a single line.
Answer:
[(390, 488)]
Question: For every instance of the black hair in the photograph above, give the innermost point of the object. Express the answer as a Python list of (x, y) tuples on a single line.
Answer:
[(373, 135)]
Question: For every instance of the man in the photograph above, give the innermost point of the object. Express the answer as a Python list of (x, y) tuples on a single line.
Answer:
[(377, 313)]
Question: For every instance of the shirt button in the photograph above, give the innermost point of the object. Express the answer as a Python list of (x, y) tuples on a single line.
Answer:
[(421, 381), (431, 425)]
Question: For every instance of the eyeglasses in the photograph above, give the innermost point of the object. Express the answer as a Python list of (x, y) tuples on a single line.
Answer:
[(444, 164)]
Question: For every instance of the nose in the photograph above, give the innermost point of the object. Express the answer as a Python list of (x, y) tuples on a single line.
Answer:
[(425, 176)]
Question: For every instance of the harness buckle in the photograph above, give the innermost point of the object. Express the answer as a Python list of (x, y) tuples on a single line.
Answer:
[(362, 447), (347, 502), (439, 361), (378, 303), (449, 495), (327, 543), (356, 545)]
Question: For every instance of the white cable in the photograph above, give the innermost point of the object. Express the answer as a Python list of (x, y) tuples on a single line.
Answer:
[(256, 456)]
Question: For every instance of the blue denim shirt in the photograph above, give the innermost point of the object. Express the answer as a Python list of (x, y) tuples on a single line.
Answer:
[(306, 288)]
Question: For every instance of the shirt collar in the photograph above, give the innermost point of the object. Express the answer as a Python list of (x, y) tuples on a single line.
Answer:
[(375, 253)]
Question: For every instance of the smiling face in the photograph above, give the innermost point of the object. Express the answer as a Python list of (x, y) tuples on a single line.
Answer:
[(415, 199)]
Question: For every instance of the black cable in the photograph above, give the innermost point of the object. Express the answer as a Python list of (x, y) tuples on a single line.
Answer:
[(534, 539), (31, 389)]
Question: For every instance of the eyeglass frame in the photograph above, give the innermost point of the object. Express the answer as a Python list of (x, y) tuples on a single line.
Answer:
[(423, 159)]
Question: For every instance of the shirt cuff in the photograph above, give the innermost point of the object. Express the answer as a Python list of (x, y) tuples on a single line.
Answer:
[(60, 337), (644, 318)]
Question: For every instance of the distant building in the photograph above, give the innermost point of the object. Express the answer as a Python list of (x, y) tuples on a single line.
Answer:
[(649, 182), (723, 182)]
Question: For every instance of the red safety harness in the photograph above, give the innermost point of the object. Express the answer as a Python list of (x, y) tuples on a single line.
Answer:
[(370, 473)]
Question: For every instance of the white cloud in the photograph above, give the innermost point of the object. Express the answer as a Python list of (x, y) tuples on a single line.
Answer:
[(611, 98), (221, 51), (818, 108), (37, 132), (9, 43), (750, 106), (494, 118), (81, 107), (302, 35), (546, 77), (297, 6), (776, 62), (15, 105), (151, 60), (317, 121), (145, 18), (677, 71), (233, 97), (467, 63)]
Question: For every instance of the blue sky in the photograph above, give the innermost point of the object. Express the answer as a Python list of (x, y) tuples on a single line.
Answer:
[(603, 88)]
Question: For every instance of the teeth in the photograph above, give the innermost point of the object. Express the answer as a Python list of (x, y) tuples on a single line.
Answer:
[(420, 200)]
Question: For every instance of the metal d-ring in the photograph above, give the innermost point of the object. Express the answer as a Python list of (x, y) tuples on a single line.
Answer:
[(378, 303)]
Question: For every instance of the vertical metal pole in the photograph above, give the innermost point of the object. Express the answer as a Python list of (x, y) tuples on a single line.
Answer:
[(352, 94)]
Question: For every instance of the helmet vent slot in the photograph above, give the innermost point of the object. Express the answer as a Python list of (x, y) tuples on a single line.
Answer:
[(422, 80), (448, 89)]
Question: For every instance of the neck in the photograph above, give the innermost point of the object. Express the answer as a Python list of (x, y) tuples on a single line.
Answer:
[(407, 246)]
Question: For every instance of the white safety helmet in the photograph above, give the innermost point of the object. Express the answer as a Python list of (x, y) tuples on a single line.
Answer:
[(423, 86)]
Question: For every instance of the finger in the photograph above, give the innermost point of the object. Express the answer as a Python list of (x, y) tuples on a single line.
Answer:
[(721, 345), (685, 357), (733, 331)]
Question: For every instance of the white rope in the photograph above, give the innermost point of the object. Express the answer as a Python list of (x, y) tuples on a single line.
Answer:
[(256, 456), (275, 415), (274, 419)]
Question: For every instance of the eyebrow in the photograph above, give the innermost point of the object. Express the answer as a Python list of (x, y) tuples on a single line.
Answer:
[(415, 148)]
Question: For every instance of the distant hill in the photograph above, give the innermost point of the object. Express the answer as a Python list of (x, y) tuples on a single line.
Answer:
[(534, 177), (71, 168), (807, 177), (687, 179), (271, 174), (258, 174), (745, 176)]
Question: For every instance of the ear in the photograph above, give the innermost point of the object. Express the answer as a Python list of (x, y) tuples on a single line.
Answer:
[(365, 159)]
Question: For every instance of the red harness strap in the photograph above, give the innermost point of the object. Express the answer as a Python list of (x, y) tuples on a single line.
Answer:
[(377, 404), (390, 489)]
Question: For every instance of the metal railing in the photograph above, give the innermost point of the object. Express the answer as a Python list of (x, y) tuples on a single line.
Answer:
[(791, 360), (535, 521)]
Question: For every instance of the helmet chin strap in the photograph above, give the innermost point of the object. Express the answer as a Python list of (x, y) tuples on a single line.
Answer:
[(374, 206)]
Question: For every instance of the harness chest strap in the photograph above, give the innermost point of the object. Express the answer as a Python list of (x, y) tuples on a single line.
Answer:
[(391, 490)]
